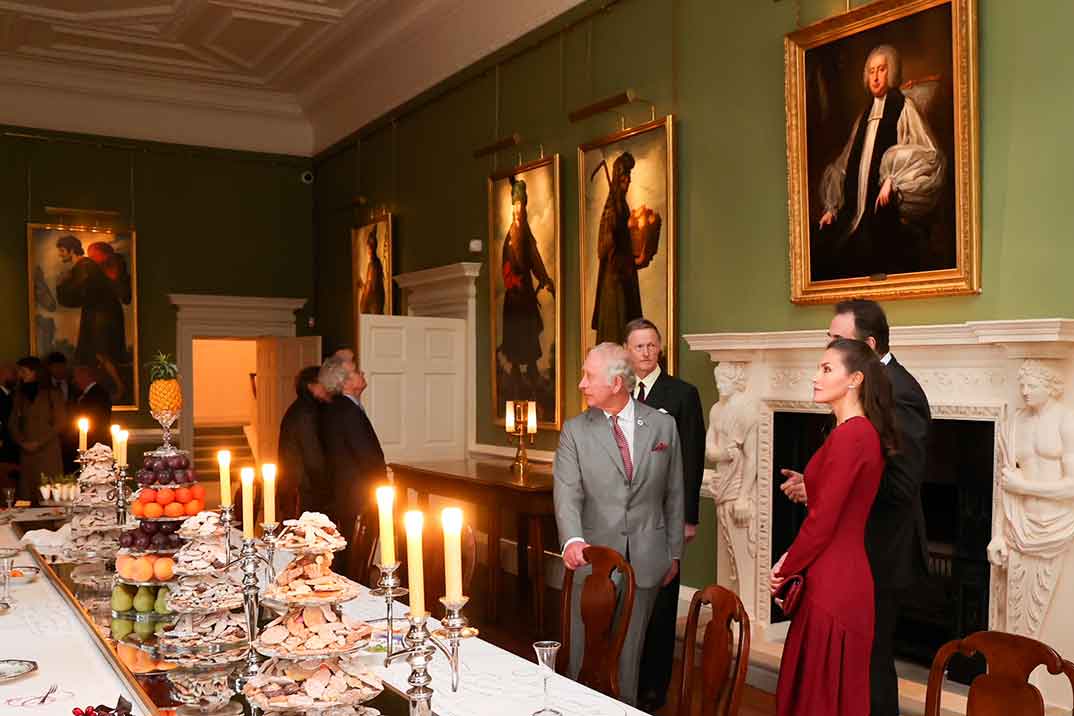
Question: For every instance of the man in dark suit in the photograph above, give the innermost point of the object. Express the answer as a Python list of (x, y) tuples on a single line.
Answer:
[(9, 452), (682, 402), (91, 401), (895, 534), (352, 451), (302, 484)]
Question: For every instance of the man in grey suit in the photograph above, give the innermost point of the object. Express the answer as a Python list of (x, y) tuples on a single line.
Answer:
[(618, 484)]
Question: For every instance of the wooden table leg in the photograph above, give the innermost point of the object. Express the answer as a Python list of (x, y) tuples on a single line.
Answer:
[(536, 569), (493, 563)]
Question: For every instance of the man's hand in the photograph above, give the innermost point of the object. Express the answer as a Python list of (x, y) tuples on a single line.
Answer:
[(672, 571), (689, 531), (886, 194), (827, 219), (794, 486), (572, 555)]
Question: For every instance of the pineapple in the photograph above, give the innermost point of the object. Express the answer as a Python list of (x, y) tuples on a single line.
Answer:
[(164, 393)]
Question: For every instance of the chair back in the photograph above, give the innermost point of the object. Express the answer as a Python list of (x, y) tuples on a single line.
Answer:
[(604, 634), (1004, 689), (724, 658), (363, 545)]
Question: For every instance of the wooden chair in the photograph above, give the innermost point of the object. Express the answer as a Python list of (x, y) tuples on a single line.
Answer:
[(1004, 690), (603, 638), (364, 543), (724, 660)]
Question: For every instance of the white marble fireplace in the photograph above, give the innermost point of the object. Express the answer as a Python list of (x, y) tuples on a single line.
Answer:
[(970, 371)]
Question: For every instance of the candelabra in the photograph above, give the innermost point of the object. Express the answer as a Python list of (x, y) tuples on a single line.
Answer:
[(225, 520), (268, 536), (122, 492), (421, 646), (248, 559), (388, 588), (454, 628), (520, 423)]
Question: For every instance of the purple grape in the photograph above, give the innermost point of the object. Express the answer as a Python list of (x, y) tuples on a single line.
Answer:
[(153, 464), (184, 462), (174, 540), (126, 539), (159, 541), (174, 462), (150, 528), (163, 477), (141, 542)]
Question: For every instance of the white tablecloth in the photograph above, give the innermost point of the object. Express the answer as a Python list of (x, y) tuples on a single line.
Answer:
[(43, 628)]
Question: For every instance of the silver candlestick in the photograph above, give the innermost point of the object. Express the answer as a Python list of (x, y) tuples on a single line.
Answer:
[(122, 493), (388, 588), (454, 627), (419, 652), (268, 536), (248, 563), (225, 520)]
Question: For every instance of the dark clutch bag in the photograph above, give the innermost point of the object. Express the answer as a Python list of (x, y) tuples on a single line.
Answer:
[(790, 594)]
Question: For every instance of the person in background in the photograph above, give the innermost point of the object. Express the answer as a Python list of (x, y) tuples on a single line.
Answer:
[(680, 400), (37, 418), (56, 363), (9, 452), (352, 450), (91, 401), (302, 484)]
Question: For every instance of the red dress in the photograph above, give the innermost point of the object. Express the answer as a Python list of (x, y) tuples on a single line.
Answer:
[(825, 666)]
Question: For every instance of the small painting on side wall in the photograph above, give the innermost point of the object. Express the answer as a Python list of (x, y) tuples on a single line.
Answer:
[(524, 256), (882, 148), (84, 303), (371, 261)]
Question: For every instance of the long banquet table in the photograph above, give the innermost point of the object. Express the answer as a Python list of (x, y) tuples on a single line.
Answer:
[(45, 628)]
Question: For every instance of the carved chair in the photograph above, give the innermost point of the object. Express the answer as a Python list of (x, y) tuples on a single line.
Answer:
[(603, 637), (364, 545), (724, 660), (1004, 690)]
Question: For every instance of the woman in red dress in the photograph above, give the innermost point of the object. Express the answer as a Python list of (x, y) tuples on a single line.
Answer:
[(825, 665)]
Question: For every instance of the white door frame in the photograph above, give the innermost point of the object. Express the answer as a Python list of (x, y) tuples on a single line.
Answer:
[(201, 316)]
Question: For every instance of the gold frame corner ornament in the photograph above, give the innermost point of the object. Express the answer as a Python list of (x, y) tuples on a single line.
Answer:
[(497, 405), (965, 277)]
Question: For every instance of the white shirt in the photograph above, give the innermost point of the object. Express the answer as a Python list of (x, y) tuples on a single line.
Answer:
[(5, 389), (886, 358), (873, 121), (626, 424), (83, 393), (648, 381)]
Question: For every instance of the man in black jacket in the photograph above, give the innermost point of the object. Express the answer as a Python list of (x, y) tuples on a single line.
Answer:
[(91, 401), (9, 452), (352, 451), (895, 534), (681, 401), (302, 485)]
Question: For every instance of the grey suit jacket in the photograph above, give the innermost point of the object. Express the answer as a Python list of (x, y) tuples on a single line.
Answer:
[(642, 519)]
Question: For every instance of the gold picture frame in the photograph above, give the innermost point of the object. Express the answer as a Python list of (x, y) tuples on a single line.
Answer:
[(526, 319), (920, 237), (378, 299), (651, 193), (74, 272)]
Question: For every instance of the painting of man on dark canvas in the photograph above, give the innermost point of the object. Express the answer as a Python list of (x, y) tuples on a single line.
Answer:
[(618, 300), (880, 137), (371, 267), (82, 304), (524, 222)]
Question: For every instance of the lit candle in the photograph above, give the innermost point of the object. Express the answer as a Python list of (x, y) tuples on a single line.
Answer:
[(385, 503), (122, 437), (224, 458), (414, 521), (531, 417), (83, 433), (509, 416), (452, 521), (268, 476), (114, 430), (247, 476)]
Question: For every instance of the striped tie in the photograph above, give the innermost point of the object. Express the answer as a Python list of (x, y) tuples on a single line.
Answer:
[(624, 449)]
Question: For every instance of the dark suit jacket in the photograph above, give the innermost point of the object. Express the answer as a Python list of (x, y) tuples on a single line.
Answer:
[(354, 458), (95, 405), (895, 533), (681, 401), (9, 452), (303, 478)]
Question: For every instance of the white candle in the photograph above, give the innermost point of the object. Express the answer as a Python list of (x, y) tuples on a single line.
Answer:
[(414, 522), (114, 431), (83, 433), (509, 417), (122, 437), (224, 459), (268, 477), (531, 417), (247, 476), (385, 503), (452, 521)]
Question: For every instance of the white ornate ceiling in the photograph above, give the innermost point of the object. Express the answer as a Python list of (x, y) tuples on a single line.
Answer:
[(283, 60)]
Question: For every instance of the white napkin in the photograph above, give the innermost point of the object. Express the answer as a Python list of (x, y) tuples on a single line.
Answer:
[(48, 541)]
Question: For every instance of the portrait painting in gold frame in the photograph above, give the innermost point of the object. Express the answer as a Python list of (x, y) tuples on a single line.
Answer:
[(882, 152), (371, 267)]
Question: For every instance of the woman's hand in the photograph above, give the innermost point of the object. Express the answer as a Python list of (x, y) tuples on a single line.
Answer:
[(775, 579)]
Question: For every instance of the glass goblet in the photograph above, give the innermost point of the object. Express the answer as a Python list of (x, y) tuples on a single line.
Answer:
[(546, 659)]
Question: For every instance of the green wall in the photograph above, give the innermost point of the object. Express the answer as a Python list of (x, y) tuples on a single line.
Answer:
[(207, 221), (718, 66)]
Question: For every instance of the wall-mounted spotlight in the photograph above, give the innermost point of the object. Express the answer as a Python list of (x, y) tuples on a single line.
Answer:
[(500, 144)]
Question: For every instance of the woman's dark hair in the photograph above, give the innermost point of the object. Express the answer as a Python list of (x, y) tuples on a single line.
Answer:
[(875, 393), (305, 378)]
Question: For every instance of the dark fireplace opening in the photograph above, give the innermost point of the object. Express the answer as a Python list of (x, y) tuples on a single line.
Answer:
[(952, 600)]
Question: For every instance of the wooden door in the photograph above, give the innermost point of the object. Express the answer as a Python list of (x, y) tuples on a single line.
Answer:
[(279, 360)]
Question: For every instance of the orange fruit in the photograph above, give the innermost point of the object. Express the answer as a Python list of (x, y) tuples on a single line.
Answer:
[(198, 491), (148, 494), (123, 563), (173, 509), (141, 570), (164, 568), (138, 509), (165, 496), (153, 510), (151, 557), (194, 507), (182, 495)]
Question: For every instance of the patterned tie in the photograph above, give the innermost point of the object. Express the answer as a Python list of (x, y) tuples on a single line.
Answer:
[(641, 392), (624, 449)]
